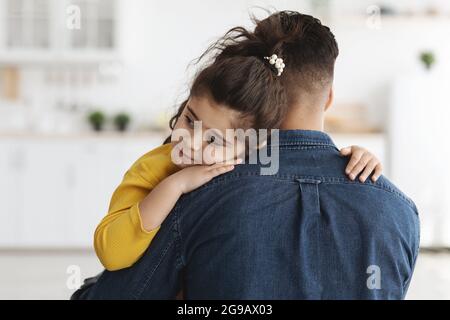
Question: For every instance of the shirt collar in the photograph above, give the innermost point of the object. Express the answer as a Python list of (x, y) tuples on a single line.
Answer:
[(304, 138)]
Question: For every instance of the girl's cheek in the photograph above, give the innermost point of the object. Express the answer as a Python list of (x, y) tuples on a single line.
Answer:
[(208, 155), (231, 153), (216, 154)]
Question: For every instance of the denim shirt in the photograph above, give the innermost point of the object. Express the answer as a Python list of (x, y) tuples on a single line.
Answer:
[(307, 232)]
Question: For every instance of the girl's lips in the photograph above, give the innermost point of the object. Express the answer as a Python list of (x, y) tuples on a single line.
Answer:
[(187, 159)]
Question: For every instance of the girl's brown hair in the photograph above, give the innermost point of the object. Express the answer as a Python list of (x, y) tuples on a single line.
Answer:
[(245, 83)]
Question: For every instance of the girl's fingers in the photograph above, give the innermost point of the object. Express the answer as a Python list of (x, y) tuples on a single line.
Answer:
[(220, 170), (356, 156), (214, 166), (377, 173), (346, 151), (368, 170), (225, 163), (363, 161)]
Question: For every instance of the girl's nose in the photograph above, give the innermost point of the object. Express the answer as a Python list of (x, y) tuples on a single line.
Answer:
[(189, 144), (196, 145)]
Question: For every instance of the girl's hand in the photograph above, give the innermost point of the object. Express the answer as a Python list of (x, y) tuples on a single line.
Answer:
[(193, 177), (362, 161)]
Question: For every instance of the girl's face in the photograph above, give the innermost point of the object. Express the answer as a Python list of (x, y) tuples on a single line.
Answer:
[(211, 145)]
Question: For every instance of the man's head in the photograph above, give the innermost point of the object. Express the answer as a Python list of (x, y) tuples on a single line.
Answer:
[(308, 49)]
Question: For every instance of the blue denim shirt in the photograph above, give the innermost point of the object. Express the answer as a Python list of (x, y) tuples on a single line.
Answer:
[(307, 232)]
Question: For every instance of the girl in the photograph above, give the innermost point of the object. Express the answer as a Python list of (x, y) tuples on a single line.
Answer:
[(234, 92)]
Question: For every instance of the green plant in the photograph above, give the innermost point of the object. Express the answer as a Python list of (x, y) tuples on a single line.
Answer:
[(121, 121), (97, 120), (428, 59)]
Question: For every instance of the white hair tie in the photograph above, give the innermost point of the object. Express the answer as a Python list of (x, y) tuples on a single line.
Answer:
[(277, 62)]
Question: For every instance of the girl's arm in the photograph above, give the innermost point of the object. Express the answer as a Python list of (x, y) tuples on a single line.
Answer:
[(138, 207), (155, 207), (362, 162)]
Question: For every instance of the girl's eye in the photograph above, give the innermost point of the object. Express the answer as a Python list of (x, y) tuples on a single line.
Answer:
[(189, 121), (215, 140)]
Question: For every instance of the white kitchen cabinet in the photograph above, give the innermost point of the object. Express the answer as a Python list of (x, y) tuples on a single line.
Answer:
[(51, 31), (55, 191), (12, 181), (45, 193), (27, 23), (88, 202)]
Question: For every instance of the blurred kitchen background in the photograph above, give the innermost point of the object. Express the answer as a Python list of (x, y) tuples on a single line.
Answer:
[(87, 86)]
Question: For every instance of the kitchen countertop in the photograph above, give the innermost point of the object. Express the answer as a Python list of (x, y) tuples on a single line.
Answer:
[(84, 135)]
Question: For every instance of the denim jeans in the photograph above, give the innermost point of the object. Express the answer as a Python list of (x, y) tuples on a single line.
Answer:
[(306, 232)]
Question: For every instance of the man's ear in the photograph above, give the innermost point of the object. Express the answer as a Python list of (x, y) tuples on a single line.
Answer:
[(330, 99)]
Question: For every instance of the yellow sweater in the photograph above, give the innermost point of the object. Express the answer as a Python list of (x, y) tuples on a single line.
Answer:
[(120, 240)]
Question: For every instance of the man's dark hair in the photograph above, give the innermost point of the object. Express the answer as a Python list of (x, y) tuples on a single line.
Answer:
[(308, 48)]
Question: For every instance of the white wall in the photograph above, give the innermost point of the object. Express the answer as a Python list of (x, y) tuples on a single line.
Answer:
[(370, 59)]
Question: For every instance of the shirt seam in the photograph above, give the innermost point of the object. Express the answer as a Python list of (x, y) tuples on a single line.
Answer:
[(179, 240), (322, 179), (148, 276)]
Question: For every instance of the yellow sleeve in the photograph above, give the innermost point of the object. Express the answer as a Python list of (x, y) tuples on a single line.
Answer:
[(120, 240)]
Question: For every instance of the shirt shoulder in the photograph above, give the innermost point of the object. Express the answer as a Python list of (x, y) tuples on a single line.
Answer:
[(388, 186), (154, 165)]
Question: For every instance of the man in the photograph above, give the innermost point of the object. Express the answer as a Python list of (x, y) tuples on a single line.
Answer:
[(306, 232)]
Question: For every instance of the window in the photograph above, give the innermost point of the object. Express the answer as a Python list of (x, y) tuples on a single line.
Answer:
[(28, 23), (40, 24), (97, 25)]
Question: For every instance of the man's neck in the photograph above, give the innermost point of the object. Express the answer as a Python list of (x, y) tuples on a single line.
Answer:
[(300, 121)]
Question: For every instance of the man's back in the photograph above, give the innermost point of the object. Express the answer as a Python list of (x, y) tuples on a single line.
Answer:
[(305, 233)]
